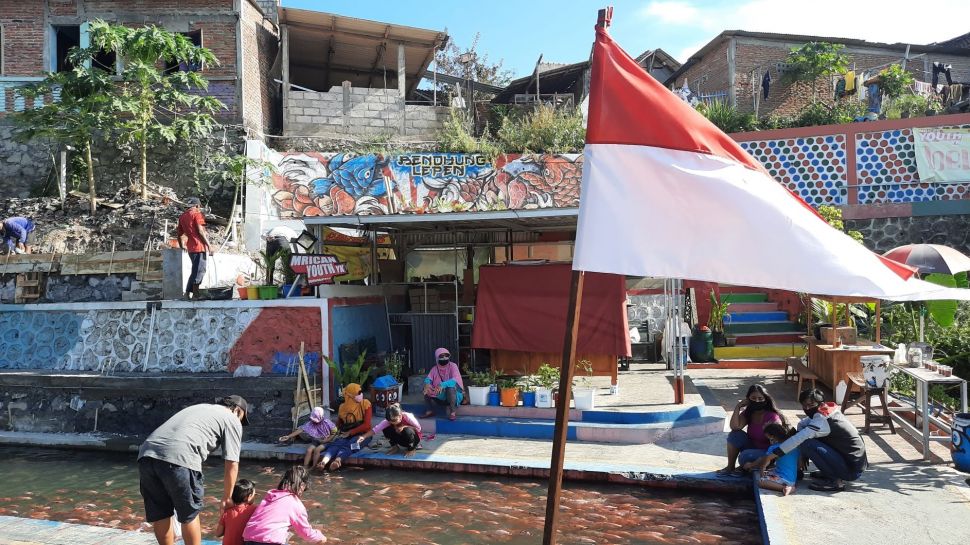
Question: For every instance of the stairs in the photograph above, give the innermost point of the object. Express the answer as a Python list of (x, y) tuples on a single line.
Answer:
[(765, 334)]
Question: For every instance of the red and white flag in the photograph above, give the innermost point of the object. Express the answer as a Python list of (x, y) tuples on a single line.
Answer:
[(667, 194)]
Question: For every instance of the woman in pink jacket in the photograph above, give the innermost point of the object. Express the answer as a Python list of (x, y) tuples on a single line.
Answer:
[(281, 510)]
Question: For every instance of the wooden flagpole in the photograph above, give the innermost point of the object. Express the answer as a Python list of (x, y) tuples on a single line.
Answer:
[(562, 407)]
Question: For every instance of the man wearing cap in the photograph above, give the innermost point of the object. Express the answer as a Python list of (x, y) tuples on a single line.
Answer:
[(170, 465), (191, 238)]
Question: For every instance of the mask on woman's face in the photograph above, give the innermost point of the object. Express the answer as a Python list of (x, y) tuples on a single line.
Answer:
[(758, 405), (359, 397), (443, 361)]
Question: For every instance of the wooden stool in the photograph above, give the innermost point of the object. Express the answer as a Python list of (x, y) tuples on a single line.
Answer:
[(803, 372), (863, 398), (790, 373)]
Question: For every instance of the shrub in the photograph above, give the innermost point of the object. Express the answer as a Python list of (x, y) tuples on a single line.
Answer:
[(455, 137), (543, 130), (727, 117), (912, 106), (819, 113)]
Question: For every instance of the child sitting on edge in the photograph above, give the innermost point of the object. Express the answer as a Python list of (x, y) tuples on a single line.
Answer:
[(781, 477), (318, 431), (282, 509), (401, 428), (233, 520)]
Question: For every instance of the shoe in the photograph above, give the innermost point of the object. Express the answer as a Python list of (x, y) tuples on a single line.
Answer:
[(826, 486), (801, 476), (818, 475)]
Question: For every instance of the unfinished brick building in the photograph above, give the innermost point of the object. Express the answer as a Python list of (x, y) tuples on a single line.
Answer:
[(732, 65)]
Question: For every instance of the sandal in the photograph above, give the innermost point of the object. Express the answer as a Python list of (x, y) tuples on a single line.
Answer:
[(826, 486), (452, 417)]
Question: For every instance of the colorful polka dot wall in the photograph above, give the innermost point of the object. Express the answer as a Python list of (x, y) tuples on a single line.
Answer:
[(886, 171), (814, 167)]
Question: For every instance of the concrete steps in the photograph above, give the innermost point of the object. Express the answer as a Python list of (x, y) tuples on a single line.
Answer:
[(732, 298), (756, 317), (767, 326), (764, 351), (752, 307)]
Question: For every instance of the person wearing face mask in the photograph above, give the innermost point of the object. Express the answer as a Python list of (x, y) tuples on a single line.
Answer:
[(829, 441), (353, 419), (443, 385), (747, 441)]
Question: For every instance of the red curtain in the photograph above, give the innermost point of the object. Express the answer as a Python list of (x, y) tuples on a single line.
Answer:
[(523, 307)]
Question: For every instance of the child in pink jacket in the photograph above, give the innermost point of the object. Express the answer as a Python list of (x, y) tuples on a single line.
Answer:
[(281, 510)]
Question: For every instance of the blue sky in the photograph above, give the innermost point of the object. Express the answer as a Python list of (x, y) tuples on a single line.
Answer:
[(518, 32)]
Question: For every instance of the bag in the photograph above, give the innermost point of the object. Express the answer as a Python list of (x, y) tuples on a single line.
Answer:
[(248, 371), (384, 382)]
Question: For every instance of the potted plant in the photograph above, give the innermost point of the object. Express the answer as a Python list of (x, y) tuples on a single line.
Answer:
[(508, 388), (269, 290), (717, 318), (394, 366), (547, 378), (289, 277), (347, 373), (480, 384), (527, 385), (583, 391)]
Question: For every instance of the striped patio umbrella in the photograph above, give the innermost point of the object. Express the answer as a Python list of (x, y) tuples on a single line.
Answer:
[(930, 258)]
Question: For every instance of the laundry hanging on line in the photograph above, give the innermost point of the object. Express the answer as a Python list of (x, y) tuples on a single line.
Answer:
[(940, 68), (765, 84)]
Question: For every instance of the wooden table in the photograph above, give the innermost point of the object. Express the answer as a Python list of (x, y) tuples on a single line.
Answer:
[(832, 364)]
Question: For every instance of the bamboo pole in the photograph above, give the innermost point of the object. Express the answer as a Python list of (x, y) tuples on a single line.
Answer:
[(878, 321)]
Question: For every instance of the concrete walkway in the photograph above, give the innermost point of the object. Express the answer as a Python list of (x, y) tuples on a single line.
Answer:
[(23, 531), (900, 500)]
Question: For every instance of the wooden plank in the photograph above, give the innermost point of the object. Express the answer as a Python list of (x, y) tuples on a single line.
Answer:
[(29, 263), (101, 202), (100, 263)]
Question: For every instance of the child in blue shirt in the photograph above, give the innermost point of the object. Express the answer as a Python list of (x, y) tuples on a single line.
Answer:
[(782, 476)]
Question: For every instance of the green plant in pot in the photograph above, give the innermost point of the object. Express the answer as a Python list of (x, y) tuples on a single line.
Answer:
[(547, 377), (269, 290), (717, 318), (394, 365), (479, 384), (348, 373), (584, 380), (508, 388)]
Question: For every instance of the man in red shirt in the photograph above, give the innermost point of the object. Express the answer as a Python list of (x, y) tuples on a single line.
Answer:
[(192, 239)]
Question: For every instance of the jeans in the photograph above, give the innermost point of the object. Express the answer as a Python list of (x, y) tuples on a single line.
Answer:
[(739, 439), (829, 461), (451, 395)]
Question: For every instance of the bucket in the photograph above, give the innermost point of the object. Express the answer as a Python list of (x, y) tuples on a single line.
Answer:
[(875, 369), (243, 292), (285, 292), (544, 398), (528, 399), (493, 399), (584, 398), (510, 397), (960, 448), (478, 395), (268, 292), (252, 293)]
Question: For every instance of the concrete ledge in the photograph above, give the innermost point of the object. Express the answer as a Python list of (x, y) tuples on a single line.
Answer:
[(26, 531)]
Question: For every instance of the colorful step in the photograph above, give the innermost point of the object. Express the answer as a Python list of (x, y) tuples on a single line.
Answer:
[(752, 307), (768, 338), (744, 297), (760, 351), (761, 327), (749, 317)]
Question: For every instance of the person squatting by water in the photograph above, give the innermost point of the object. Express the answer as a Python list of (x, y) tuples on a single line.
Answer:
[(443, 385), (401, 428), (353, 419), (282, 510), (170, 465), (318, 431), (828, 440), (233, 520)]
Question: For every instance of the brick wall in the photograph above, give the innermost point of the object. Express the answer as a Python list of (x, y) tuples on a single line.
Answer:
[(23, 30), (260, 94), (710, 74), (372, 112), (270, 8)]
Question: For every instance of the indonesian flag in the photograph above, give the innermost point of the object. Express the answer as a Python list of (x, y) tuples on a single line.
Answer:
[(666, 194)]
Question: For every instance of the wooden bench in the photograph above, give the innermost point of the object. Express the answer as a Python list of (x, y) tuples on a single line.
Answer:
[(859, 393), (801, 371)]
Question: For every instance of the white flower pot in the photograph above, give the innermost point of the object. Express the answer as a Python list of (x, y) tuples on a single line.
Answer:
[(544, 398), (478, 395), (584, 398)]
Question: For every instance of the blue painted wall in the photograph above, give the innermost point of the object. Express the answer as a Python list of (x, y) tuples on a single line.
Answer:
[(349, 324)]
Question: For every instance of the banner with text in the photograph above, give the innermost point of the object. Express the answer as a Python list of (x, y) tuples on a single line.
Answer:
[(942, 155), (318, 268)]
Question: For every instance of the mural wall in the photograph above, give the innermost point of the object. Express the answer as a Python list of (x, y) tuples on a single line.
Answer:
[(182, 339), (317, 184)]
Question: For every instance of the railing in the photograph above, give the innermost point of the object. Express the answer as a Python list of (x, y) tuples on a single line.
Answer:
[(11, 100), (711, 98), (556, 100)]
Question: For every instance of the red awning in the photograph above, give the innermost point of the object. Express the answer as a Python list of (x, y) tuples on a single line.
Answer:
[(523, 307)]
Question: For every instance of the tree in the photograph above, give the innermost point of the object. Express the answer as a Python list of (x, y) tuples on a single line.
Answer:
[(893, 81), (160, 103), (815, 60), (481, 69), (77, 108), (833, 216)]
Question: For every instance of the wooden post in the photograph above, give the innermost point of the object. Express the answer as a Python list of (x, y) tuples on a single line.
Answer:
[(878, 321), (401, 86), (808, 317), (562, 408), (285, 43)]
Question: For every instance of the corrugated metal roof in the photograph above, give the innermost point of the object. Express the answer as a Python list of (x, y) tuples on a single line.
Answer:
[(326, 49), (546, 219)]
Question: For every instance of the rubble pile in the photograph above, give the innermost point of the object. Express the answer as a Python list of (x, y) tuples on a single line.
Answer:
[(124, 219)]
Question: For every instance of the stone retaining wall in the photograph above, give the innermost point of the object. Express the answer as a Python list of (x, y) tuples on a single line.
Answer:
[(884, 234)]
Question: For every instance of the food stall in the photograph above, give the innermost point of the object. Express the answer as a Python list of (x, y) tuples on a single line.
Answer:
[(838, 353)]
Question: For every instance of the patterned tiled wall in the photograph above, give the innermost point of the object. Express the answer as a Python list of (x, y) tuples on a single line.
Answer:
[(886, 163), (814, 167)]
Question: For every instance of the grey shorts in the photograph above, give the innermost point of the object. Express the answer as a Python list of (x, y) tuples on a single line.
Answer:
[(170, 489)]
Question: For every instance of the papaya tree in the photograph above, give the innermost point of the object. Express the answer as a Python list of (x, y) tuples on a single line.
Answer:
[(71, 108), (161, 91)]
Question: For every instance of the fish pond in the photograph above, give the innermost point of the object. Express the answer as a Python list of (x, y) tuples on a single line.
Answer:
[(356, 506)]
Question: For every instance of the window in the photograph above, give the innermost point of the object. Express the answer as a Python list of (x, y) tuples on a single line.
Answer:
[(65, 37), (194, 36)]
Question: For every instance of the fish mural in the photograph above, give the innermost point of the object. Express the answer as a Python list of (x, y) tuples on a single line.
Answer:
[(317, 184)]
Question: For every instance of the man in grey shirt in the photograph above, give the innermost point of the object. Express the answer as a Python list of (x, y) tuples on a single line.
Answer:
[(170, 465)]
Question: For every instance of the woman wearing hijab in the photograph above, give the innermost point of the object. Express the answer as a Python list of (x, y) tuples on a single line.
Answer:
[(443, 385), (353, 419)]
